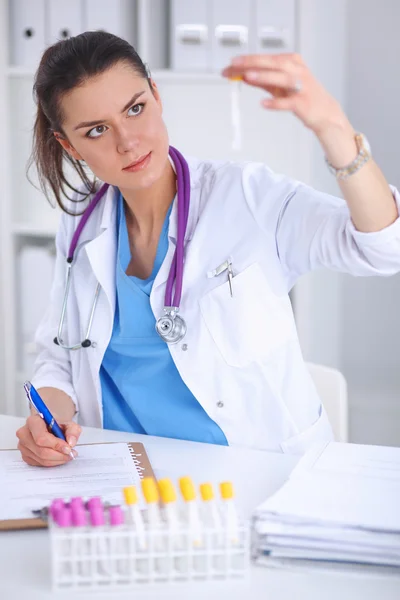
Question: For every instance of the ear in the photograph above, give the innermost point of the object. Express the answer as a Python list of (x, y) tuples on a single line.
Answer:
[(66, 145), (156, 94)]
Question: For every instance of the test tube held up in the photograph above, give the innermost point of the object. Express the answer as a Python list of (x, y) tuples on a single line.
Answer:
[(235, 84)]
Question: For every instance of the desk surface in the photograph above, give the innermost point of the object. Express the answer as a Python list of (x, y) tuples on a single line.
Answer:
[(24, 555)]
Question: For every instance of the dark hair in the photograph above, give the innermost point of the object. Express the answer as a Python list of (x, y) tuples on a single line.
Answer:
[(64, 66)]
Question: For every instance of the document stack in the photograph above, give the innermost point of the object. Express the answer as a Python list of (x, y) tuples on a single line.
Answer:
[(340, 505)]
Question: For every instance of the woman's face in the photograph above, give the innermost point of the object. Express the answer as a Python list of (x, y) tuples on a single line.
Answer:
[(113, 120)]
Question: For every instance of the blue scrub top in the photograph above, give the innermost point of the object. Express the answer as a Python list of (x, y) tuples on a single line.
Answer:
[(142, 390)]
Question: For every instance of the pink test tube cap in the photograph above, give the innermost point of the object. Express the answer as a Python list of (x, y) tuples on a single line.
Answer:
[(116, 515), (95, 501), (97, 515), (78, 516), (55, 506), (64, 517), (77, 502)]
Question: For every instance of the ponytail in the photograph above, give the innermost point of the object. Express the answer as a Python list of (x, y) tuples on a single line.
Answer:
[(50, 158)]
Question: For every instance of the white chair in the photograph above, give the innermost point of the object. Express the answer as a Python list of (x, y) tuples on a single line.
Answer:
[(332, 389)]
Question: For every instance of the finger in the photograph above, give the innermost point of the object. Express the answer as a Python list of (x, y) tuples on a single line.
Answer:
[(266, 78), (43, 438), (270, 61), (31, 459), (27, 443), (72, 431), (286, 103)]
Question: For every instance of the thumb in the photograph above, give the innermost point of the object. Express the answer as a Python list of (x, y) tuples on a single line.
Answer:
[(72, 431)]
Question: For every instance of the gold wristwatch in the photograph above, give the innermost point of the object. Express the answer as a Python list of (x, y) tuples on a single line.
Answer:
[(363, 156)]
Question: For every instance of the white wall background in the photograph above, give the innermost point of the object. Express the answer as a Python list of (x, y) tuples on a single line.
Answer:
[(370, 323)]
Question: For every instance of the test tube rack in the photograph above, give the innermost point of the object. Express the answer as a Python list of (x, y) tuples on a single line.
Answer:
[(118, 557)]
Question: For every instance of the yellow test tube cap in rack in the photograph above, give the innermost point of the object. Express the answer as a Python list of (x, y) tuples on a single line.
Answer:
[(130, 495), (207, 492), (167, 490), (226, 489), (150, 490), (187, 489)]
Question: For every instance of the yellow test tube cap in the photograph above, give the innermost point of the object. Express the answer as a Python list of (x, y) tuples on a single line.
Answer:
[(130, 495), (226, 489), (150, 490), (236, 78), (167, 490), (187, 489), (206, 491)]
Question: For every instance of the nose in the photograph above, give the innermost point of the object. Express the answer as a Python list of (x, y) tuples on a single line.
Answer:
[(127, 140)]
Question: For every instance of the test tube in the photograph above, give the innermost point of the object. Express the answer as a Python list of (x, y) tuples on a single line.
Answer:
[(100, 546), (64, 549), (235, 83), (82, 544), (119, 545), (174, 539), (191, 511), (230, 517), (135, 517), (152, 497)]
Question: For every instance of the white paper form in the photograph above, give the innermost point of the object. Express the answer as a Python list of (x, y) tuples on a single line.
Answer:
[(99, 470)]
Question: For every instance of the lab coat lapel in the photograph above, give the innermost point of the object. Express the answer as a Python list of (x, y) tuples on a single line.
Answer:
[(102, 250)]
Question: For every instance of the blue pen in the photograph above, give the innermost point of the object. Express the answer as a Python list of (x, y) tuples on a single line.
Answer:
[(38, 404)]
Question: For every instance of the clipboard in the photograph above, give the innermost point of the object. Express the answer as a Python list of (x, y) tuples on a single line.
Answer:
[(141, 463)]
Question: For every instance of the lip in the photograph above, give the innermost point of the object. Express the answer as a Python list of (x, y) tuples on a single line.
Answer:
[(138, 165)]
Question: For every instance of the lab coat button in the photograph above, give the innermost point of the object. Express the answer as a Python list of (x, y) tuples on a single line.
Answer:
[(220, 404), (184, 347)]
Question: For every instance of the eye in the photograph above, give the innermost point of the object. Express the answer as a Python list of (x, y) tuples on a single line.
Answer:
[(96, 131), (136, 109)]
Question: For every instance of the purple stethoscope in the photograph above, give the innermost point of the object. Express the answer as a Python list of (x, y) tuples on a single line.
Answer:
[(171, 327)]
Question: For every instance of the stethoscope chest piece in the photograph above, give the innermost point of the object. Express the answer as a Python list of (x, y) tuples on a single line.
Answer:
[(171, 327)]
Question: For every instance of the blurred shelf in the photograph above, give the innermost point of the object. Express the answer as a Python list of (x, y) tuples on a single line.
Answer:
[(35, 230), (163, 75)]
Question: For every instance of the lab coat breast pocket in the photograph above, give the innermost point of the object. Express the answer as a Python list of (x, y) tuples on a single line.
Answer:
[(250, 325)]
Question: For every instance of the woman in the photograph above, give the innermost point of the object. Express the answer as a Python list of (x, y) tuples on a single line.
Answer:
[(236, 375)]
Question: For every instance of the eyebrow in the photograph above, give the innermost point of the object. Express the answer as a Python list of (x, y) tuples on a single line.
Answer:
[(98, 121)]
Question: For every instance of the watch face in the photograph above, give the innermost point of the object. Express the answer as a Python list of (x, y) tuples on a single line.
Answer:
[(365, 142)]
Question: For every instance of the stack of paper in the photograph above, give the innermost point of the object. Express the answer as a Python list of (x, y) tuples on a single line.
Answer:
[(341, 503)]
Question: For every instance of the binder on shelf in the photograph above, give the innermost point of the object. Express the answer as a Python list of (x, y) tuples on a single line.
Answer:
[(35, 268), (116, 17), (64, 19), (230, 30), (27, 32), (190, 44), (274, 26)]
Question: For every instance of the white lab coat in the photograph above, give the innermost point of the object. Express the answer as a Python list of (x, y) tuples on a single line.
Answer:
[(240, 356)]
